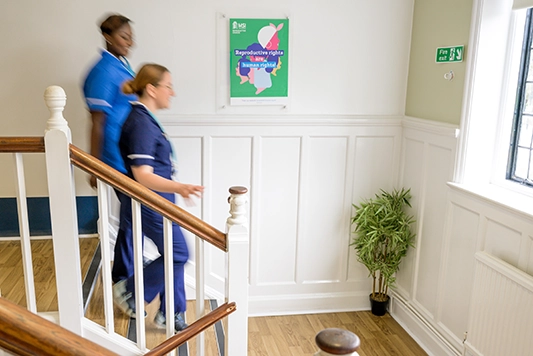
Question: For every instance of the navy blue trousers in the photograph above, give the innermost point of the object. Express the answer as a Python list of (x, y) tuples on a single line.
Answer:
[(154, 275), (123, 260)]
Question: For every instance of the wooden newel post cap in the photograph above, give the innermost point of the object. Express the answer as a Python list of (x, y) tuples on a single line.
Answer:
[(238, 190), (337, 341)]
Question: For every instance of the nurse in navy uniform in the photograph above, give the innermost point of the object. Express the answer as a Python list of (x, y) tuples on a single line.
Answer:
[(149, 158)]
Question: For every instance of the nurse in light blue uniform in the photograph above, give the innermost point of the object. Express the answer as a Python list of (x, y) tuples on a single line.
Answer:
[(102, 89), (148, 156), (109, 107)]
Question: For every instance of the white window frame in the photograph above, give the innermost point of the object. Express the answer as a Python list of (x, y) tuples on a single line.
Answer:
[(505, 124), (488, 103)]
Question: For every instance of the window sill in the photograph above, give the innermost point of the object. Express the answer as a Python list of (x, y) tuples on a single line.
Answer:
[(512, 201)]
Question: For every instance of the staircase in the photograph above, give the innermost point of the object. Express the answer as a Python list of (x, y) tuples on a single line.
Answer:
[(215, 336), (24, 332), (61, 158)]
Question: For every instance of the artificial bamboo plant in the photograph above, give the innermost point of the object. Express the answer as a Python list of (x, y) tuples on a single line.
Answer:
[(382, 236)]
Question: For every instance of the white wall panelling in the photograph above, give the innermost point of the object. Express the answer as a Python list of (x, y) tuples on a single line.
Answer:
[(501, 313), (275, 249), (456, 275), (322, 235), (430, 240), (303, 179), (428, 157), (434, 302)]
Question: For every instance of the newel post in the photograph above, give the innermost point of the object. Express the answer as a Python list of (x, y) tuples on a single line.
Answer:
[(336, 341), (63, 212), (237, 269)]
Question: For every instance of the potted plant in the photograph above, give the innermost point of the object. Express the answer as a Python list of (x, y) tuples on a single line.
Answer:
[(382, 236)]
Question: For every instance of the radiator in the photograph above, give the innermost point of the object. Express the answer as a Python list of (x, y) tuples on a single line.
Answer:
[(501, 313)]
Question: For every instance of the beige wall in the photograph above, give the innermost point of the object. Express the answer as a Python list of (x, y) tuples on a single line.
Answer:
[(437, 23), (348, 60)]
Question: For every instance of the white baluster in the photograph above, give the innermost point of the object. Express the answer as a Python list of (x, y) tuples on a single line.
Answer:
[(63, 213), (138, 272), (169, 276), (105, 250), (199, 253), (237, 260), (334, 342), (24, 230)]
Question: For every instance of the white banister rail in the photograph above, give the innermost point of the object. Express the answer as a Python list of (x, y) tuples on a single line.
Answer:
[(60, 157), (105, 248), (169, 277), (139, 273), (237, 261), (17, 146), (24, 230), (63, 213), (199, 254)]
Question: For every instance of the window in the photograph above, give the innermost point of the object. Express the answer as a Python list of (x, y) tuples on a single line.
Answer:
[(493, 70), (520, 162), (493, 66)]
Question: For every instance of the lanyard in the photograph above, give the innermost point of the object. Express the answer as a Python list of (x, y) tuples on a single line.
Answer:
[(124, 61), (127, 65)]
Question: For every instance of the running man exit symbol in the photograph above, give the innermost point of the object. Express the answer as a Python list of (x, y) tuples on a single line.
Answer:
[(450, 54)]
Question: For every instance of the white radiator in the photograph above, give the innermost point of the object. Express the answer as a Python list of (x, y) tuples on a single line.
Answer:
[(501, 313)]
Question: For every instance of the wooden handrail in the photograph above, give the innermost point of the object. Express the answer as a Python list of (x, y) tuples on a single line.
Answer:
[(25, 333), (137, 191), (21, 144), (194, 329), (114, 178)]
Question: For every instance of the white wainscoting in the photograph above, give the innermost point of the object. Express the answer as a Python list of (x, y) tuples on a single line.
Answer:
[(435, 283), (428, 158), (303, 175), (502, 309)]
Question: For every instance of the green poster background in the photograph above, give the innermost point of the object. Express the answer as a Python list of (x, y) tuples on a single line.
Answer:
[(258, 61)]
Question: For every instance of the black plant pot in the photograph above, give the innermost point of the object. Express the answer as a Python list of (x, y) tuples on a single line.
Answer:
[(379, 307)]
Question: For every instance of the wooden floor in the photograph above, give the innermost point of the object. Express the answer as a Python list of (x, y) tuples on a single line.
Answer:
[(12, 274), (294, 335), (268, 336)]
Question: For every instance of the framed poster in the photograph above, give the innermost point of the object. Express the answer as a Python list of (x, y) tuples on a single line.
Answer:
[(259, 53)]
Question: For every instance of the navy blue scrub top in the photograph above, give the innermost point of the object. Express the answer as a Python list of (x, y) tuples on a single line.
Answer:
[(142, 142)]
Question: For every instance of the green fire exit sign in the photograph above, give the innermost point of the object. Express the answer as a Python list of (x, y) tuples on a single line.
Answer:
[(450, 54)]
